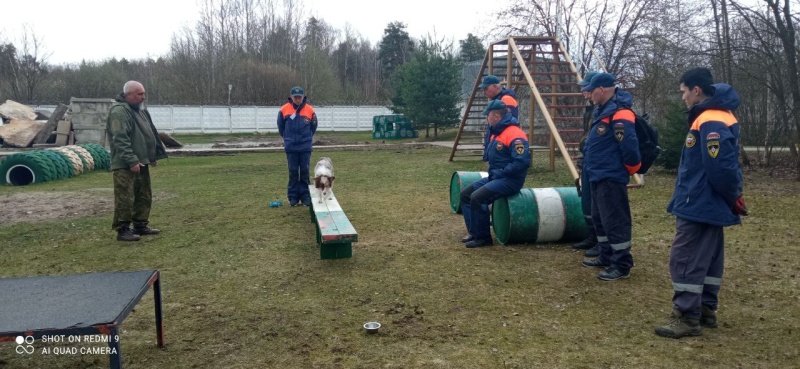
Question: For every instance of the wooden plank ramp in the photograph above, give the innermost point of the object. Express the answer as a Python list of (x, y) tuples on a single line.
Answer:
[(335, 233)]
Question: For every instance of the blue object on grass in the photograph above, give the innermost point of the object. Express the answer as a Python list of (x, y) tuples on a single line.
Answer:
[(275, 204)]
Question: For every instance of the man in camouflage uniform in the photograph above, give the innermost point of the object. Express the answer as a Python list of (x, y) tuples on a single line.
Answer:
[(135, 146)]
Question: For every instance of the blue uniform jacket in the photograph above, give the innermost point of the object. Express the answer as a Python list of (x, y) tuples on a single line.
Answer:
[(509, 158), (297, 125), (612, 149), (509, 97), (709, 176)]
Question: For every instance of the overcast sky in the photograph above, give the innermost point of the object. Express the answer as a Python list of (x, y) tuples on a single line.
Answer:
[(96, 30)]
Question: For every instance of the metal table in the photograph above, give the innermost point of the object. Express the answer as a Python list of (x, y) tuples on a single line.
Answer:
[(81, 304)]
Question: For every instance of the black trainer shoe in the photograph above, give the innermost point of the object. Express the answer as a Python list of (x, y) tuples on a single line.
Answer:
[(293, 202), (612, 274), (145, 231), (479, 243), (126, 234), (593, 252), (708, 319), (306, 201), (594, 263), (586, 244), (467, 238)]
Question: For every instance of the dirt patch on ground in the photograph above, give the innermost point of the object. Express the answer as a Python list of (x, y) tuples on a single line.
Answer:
[(40, 206), (319, 140)]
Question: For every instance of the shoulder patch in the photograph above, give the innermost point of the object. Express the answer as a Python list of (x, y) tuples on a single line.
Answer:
[(690, 140), (499, 146), (601, 129), (713, 149), (712, 136), (619, 131), (519, 147)]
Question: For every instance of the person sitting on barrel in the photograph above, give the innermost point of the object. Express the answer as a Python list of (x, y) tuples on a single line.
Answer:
[(509, 160)]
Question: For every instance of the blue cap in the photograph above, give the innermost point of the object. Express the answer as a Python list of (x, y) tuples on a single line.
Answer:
[(296, 91), (600, 80), (587, 78), (494, 105), (489, 80)]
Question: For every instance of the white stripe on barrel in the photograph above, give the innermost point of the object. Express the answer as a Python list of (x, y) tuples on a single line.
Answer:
[(552, 217)]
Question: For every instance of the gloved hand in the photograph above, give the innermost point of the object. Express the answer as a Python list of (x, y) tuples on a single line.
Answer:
[(578, 185), (740, 208)]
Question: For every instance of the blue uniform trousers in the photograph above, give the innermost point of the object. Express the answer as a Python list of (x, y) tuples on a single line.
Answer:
[(696, 262), (586, 202), (298, 175), (611, 214), (475, 200)]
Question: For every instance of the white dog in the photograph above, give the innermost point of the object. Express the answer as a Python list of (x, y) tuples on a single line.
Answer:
[(323, 177)]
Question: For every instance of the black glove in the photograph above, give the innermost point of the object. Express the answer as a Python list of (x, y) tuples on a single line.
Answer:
[(578, 185)]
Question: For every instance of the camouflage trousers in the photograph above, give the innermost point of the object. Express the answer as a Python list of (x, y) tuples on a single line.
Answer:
[(133, 197)]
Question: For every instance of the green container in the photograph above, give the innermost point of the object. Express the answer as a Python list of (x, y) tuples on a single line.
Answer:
[(459, 181), (394, 126), (539, 215)]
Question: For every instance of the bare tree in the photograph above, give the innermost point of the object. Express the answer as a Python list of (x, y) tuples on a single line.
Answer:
[(777, 24)]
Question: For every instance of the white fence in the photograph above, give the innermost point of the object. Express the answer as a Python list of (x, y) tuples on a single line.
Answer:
[(224, 119)]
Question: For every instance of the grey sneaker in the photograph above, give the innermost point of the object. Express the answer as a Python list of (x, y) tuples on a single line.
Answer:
[(594, 263), (479, 243), (612, 274), (586, 244), (708, 319), (680, 326), (592, 252)]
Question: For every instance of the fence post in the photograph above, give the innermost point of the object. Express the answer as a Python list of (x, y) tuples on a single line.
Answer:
[(202, 119), (172, 118), (358, 118), (256, 115)]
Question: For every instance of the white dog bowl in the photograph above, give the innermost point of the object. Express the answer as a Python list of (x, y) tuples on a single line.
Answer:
[(372, 327)]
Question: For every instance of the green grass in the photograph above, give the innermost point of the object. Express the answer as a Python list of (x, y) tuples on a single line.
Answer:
[(244, 287)]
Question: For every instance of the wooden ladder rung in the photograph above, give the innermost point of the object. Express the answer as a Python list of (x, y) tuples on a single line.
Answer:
[(566, 94), (565, 106)]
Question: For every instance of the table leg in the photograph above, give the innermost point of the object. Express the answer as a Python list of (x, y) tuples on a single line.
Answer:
[(159, 316), (115, 357)]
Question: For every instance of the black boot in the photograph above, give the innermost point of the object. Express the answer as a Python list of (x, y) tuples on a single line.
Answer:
[(145, 230), (124, 233)]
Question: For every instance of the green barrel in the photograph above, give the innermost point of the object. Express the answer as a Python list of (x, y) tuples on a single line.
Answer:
[(539, 215), (458, 181)]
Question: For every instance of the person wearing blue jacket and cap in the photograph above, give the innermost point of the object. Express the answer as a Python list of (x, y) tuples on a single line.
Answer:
[(707, 197), (611, 157), (494, 91), (297, 123), (509, 160)]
